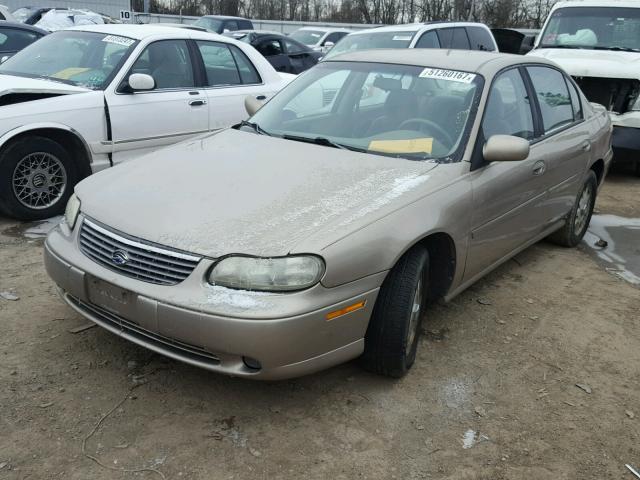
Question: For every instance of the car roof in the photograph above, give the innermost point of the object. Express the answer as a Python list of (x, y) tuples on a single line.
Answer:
[(325, 29), (22, 26), (598, 3), (483, 63), (225, 17), (415, 27), (140, 32)]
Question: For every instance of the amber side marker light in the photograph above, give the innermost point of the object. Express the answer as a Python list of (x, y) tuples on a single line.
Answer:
[(345, 310)]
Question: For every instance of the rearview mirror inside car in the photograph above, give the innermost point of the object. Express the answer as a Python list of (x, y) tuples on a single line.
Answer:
[(141, 82), (505, 148), (252, 104)]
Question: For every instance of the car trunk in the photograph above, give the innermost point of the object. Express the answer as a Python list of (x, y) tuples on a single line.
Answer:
[(616, 94)]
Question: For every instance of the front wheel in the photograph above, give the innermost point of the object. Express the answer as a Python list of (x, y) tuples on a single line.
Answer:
[(37, 176), (391, 340), (578, 220)]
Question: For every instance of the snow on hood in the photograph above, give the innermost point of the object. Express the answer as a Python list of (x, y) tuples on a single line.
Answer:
[(10, 84), (238, 192), (593, 63)]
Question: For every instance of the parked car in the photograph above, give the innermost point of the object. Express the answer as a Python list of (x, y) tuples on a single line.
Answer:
[(456, 35), (29, 15), (16, 36), (320, 39), (84, 99), (222, 24), (519, 41), (598, 43), (60, 19), (310, 236), (284, 53), (5, 14)]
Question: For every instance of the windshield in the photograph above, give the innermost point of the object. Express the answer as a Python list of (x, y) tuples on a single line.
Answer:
[(212, 24), (308, 37), (369, 41), (614, 28), (396, 110), (78, 58), (22, 14)]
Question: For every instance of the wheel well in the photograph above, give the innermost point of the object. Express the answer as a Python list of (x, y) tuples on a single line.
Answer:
[(598, 169), (442, 263), (70, 141)]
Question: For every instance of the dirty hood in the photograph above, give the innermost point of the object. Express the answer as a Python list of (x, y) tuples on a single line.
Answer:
[(239, 192), (10, 84), (593, 63)]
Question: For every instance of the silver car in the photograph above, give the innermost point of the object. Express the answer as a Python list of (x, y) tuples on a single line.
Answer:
[(319, 230)]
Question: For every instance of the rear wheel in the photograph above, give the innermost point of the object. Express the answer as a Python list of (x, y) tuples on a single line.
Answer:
[(391, 340), (578, 220), (37, 176)]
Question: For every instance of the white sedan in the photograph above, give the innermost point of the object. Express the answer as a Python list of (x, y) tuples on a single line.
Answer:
[(87, 98)]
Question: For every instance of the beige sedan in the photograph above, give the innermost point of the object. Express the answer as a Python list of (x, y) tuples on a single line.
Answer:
[(318, 231)]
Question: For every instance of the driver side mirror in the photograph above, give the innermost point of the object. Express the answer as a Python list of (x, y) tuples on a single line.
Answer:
[(141, 82), (253, 104), (505, 148)]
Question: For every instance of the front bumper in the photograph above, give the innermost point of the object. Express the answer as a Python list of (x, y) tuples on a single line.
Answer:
[(626, 144), (287, 333)]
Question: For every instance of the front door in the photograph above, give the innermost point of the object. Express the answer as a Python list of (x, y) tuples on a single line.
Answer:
[(173, 111), (508, 197)]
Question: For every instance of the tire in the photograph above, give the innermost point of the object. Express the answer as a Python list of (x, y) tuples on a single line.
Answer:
[(391, 340), (578, 220), (37, 176)]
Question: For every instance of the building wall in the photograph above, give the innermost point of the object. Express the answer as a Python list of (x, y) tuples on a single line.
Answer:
[(108, 7)]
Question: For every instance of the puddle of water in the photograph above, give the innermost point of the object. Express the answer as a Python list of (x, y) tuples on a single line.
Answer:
[(34, 230), (622, 252)]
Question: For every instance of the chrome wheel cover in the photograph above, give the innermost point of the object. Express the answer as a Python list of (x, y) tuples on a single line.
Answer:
[(582, 212), (39, 180), (414, 319)]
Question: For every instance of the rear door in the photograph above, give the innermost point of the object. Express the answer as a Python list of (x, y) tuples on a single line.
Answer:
[(174, 110), (508, 196), (229, 78), (565, 146)]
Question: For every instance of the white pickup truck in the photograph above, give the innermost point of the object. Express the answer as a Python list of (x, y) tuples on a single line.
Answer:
[(598, 43)]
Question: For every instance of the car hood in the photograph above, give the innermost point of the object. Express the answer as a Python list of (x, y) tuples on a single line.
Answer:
[(10, 84), (239, 192), (593, 63)]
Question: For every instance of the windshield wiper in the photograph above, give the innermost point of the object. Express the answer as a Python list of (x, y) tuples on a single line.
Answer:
[(255, 127), (324, 142), (617, 49)]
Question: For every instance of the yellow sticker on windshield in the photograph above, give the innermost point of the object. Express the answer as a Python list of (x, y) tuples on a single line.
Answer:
[(67, 73), (412, 145)]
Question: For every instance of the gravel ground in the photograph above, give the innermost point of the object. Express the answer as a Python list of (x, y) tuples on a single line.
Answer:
[(493, 395)]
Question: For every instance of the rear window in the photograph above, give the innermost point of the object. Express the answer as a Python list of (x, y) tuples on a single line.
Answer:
[(372, 40)]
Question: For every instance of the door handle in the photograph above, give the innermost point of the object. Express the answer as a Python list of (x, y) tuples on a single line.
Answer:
[(586, 146), (539, 167), (197, 103)]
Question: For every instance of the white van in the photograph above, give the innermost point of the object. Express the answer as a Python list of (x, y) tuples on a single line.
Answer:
[(598, 44)]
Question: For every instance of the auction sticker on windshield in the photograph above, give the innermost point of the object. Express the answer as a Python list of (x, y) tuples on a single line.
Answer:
[(453, 75), (127, 42)]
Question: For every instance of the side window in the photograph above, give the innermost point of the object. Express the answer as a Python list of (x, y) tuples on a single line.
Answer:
[(245, 25), (508, 111), (291, 46), (481, 39), (460, 40), (428, 40), (219, 64), (248, 73), (12, 39), (445, 35), (231, 25), (575, 101), (168, 62), (553, 97), (270, 48)]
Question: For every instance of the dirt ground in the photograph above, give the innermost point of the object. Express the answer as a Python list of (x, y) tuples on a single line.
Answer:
[(492, 395)]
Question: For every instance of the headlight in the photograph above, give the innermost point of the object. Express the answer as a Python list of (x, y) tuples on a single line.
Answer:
[(72, 211), (269, 274)]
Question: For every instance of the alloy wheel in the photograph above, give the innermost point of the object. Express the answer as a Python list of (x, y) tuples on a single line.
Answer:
[(39, 180)]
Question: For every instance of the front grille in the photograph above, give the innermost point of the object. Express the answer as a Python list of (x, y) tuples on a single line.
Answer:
[(616, 94), (135, 258), (135, 332)]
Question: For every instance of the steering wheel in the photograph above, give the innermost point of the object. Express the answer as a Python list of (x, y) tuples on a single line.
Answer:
[(430, 126)]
